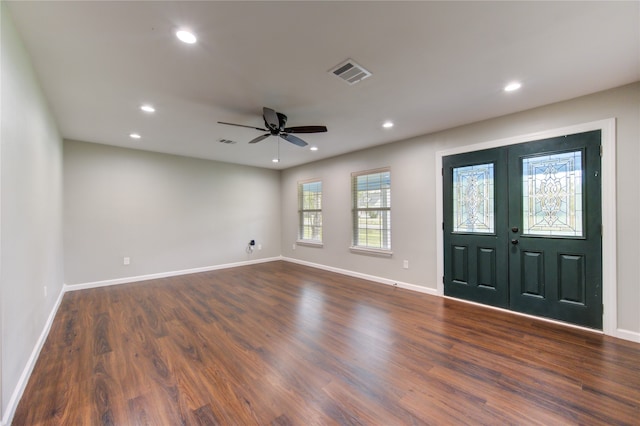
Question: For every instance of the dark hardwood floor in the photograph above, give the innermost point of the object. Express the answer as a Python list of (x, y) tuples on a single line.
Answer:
[(283, 344)]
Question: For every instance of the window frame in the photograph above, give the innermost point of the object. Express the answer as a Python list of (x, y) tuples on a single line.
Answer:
[(301, 211), (356, 245)]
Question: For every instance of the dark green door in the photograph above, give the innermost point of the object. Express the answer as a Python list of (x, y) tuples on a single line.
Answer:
[(522, 228), (475, 249)]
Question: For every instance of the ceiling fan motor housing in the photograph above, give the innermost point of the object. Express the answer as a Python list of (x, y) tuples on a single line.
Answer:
[(282, 121)]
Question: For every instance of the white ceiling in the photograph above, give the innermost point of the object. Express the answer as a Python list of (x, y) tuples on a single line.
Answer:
[(435, 65)]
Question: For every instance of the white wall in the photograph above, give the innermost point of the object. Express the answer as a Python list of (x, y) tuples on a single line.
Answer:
[(167, 213), (30, 214), (412, 165)]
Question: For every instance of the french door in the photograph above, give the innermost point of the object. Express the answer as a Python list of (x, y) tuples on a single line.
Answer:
[(522, 228)]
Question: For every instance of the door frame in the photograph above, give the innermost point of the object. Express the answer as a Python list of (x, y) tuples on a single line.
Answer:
[(609, 256)]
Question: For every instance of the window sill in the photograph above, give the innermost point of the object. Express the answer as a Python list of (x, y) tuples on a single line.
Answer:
[(308, 243), (371, 252)]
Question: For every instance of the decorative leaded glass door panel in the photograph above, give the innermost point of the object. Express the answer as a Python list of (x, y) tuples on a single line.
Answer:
[(522, 228)]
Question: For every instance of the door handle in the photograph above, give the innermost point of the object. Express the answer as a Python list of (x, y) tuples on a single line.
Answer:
[(514, 241)]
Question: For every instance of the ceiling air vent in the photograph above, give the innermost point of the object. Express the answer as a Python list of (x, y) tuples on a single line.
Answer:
[(350, 72), (227, 141)]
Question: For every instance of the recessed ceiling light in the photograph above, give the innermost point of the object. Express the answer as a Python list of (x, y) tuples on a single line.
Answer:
[(314, 148), (135, 136), (147, 108), (186, 36), (512, 86), (387, 124), (275, 160)]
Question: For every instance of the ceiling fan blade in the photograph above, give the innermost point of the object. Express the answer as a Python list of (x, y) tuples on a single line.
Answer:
[(260, 138), (270, 118), (242, 125), (306, 129), (293, 139)]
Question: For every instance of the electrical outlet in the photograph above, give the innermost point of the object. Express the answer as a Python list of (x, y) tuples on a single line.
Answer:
[(126, 260), (259, 246), (294, 246), (405, 264), (45, 291)]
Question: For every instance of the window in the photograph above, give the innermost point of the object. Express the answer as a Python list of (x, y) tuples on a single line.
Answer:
[(310, 211), (372, 209)]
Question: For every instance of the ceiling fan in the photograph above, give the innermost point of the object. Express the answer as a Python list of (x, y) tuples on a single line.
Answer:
[(274, 123)]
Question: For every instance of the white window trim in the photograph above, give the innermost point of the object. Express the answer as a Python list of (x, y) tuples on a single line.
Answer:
[(609, 236), (309, 243), (371, 251)]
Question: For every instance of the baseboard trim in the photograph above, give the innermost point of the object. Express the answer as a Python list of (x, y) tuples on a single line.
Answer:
[(31, 363), (627, 335), (138, 278), (393, 283)]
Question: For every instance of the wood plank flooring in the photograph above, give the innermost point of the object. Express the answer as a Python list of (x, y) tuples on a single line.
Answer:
[(283, 344)]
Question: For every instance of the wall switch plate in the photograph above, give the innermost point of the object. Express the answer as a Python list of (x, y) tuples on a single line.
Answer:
[(126, 260), (45, 291), (294, 246), (405, 264), (259, 246)]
